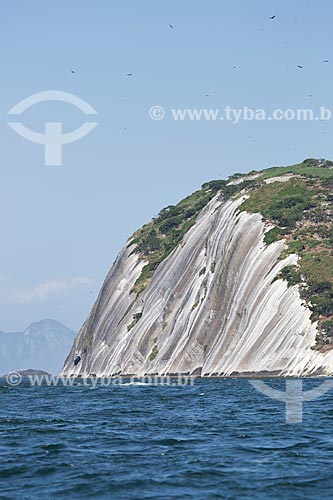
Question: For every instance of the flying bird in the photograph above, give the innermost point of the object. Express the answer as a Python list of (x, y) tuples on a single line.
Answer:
[(207, 95), (72, 71), (272, 17), (300, 67), (129, 74), (325, 61), (172, 27)]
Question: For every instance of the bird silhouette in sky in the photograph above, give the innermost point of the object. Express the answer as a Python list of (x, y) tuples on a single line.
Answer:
[(73, 72), (272, 17), (172, 27), (325, 61), (129, 74), (300, 67)]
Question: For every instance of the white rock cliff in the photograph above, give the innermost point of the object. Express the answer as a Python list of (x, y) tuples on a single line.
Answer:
[(213, 307)]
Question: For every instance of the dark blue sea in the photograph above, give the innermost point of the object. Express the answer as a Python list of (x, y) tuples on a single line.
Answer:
[(216, 439)]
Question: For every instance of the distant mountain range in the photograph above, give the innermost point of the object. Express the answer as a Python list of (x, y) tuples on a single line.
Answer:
[(44, 345)]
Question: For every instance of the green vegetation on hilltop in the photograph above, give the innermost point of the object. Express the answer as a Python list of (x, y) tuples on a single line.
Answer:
[(309, 168), (301, 210), (282, 202)]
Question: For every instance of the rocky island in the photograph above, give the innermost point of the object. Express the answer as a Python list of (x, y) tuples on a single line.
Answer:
[(235, 280)]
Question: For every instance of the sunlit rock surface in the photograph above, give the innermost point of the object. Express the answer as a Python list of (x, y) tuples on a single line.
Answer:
[(213, 307)]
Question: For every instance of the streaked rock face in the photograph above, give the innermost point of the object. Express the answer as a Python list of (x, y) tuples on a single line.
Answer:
[(213, 307)]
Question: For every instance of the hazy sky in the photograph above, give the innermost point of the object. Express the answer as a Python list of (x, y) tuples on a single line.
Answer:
[(62, 227)]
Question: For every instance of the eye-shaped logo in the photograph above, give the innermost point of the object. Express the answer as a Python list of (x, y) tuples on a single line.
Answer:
[(293, 396), (53, 139)]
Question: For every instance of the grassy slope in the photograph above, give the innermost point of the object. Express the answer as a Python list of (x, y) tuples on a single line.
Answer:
[(299, 169), (301, 210)]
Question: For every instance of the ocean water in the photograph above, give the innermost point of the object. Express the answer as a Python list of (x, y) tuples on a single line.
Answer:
[(216, 439)]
